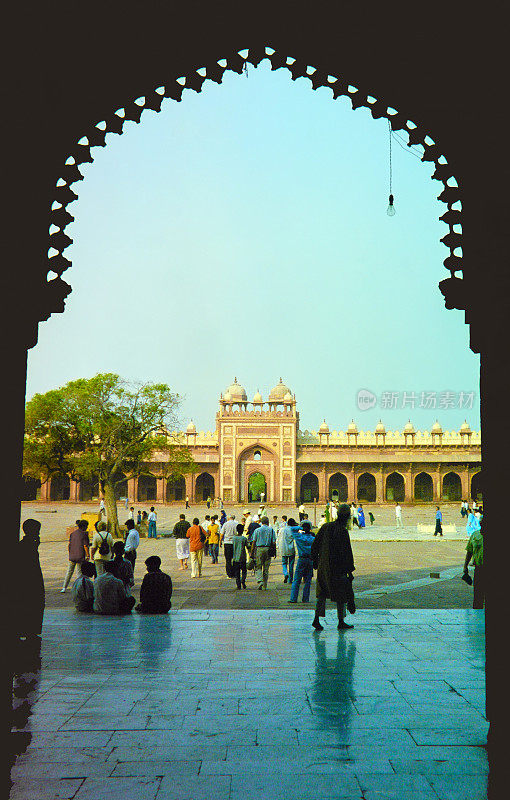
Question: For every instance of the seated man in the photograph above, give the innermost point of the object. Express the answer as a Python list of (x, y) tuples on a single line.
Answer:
[(82, 590), (122, 568), (110, 593), (156, 589)]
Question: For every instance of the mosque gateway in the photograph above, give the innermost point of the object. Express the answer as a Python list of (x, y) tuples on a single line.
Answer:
[(258, 447)]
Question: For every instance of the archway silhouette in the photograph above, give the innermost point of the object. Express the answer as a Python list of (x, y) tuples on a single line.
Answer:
[(477, 486), (451, 487), (395, 488), (60, 487), (423, 487), (173, 88), (309, 488), (204, 487), (337, 487), (366, 488)]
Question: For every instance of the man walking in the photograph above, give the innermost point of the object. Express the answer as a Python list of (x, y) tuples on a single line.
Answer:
[(304, 539), (187, 501), (132, 542), (228, 531), (205, 525), (181, 542), (287, 550), (196, 536), (398, 515), (240, 544), (301, 510), (78, 550), (264, 539), (332, 557), (152, 524), (474, 551), (439, 521), (102, 546), (213, 539)]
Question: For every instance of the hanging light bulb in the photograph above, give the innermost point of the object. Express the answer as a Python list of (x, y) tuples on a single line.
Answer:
[(391, 208)]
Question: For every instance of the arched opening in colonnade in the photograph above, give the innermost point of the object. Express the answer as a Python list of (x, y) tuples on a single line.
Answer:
[(452, 487), (175, 490), (366, 491), (395, 488), (88, 489), (337, 488), (204, 487), (309, 488), (60, 487), (477, 486), (147, 489), (423, 488), (31, 488)]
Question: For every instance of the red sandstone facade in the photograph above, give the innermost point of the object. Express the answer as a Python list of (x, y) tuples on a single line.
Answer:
[(262, 438)]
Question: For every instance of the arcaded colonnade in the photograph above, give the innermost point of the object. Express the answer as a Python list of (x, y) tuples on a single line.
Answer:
[(262, 438)]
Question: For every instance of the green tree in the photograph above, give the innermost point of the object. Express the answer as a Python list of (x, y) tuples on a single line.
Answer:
[(104, 427)]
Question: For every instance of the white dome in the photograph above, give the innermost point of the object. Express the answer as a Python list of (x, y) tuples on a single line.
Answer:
[(409, 427), (278, 393), (379, 428), (465, 427), (191, 428), (436, 427), (287, 398), (236, 393), (324, 428), (352, 427), (257, 397)]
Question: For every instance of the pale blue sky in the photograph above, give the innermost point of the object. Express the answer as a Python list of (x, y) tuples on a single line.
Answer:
[(244, 232)]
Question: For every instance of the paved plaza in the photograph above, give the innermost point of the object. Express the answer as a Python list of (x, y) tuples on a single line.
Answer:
[(217, 705)]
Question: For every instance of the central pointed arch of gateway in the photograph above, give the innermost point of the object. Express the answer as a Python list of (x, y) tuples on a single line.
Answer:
[(256, 460)]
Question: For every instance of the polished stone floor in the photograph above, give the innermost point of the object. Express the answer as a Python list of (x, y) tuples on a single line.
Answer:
[(217, 705)]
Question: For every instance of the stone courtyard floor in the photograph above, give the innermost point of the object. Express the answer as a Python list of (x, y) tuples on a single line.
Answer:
[(223, 704)]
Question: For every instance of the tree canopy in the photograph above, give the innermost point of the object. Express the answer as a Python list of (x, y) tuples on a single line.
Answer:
[(106, 428)]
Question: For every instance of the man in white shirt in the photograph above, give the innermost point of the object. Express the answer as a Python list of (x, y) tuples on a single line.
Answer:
[(152, 524), (131, 513), (227, 533), (398, 515), (301, 510), (132, 542)]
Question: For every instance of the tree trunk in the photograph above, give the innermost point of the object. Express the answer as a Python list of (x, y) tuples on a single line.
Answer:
[(111, 509)]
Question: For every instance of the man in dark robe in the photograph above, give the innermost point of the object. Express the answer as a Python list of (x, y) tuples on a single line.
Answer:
[(30, 602), (332, 556), (156, 589)]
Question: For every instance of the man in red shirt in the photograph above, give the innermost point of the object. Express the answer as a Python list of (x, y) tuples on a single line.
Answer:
[(197, 537), (78, 550)]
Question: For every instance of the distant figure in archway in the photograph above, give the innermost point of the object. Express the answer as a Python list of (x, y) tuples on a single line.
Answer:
[(332, 556), (30, 603)]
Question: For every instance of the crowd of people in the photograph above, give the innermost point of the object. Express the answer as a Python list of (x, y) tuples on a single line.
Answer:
[(106, 567), (106, 573)]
